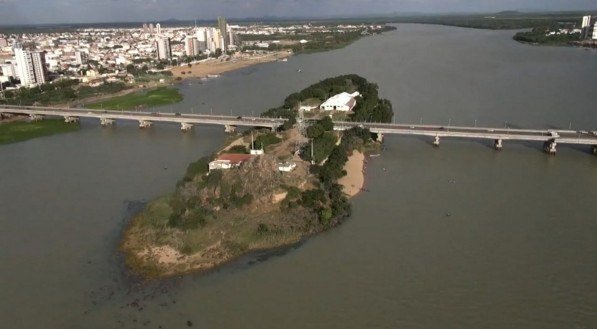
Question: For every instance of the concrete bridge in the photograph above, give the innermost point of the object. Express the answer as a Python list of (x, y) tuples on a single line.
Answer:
[(549, 137), (145, 119)]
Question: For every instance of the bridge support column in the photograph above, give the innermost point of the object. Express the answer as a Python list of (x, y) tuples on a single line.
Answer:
[(35, 117), (107, 122), (69, 119), (186, 126), (436, 141), (380, 137), (144, 124), (498, 144), (594, 149), (229, 128), (550, 147)]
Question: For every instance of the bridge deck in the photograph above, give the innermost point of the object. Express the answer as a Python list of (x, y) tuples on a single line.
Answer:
[(560, 136), (146, 116)]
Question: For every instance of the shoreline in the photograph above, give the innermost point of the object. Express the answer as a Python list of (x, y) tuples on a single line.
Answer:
[(217, 67), (354, 181)]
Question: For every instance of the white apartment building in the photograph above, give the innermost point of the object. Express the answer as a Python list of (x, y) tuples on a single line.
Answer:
[(31, 66), (586, 21), (191, 46), (163, 48)]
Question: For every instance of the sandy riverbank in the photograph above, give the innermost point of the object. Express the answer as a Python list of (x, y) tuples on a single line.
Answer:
[(199, 70), (354, 180)]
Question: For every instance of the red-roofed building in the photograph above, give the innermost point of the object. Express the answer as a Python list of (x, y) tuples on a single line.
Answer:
[(229, 160)]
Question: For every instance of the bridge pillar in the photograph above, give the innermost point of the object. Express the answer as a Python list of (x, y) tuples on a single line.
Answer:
[(498, 144), (550, 146), (229, 128), (35, 117), (436, 141), (144, 124), (69, 119), (186, 126), (107, 122), (380, 137)]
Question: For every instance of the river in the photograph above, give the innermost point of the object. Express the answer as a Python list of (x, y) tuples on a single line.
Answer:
[(461, 236)]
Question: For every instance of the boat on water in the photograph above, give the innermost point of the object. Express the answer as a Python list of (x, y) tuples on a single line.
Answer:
[(213, 76), (374, 155), (284, 60), (299, 70)]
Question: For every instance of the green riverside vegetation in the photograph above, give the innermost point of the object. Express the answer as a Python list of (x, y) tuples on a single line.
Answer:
[(144, 99), (215, 216), (539, 36), (58, 92), (18, 131)]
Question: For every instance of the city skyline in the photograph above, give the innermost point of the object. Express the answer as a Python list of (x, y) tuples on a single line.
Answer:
[(24, 12)]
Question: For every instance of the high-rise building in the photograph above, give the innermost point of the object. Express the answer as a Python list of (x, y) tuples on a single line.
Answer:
[(145, 28), (158, 28), (595, 31), (201, 34), (585, 27), (3, 42), (223, 27), (191, 46), (31, 66), (214, 40), (163, 48), (151, 28), (80, 57), (586, 21)]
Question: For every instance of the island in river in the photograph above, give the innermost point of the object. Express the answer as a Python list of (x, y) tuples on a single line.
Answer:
[(215, 216)]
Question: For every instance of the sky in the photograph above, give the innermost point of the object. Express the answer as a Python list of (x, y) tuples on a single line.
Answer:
[(16, 12)]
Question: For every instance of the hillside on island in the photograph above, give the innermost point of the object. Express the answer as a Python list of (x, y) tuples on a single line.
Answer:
[(234, 202)]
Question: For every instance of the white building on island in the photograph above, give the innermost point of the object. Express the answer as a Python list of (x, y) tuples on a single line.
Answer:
[(229, 161), (286, 166), (342, 102)]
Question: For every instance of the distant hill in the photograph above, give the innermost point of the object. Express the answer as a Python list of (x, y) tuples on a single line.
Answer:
[(508, 13)]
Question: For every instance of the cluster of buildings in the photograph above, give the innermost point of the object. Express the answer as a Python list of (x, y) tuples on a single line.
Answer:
[(98, 53), (587, 30), (201, 40), (231, 160)]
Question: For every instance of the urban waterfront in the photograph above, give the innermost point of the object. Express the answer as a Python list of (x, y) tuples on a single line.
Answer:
[(460, 236)]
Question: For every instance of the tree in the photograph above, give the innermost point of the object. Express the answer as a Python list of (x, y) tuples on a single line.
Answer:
[(327, 124)]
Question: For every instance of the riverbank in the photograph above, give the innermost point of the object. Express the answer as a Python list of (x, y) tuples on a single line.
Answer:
[(21, 130), (140, 99), (354, 181), (217, 67)]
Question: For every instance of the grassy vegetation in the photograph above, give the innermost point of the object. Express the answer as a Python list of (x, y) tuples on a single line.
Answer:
[(151, 98), (369, 106), (320, 41), (18, 131), (507, 20), (58, 92)]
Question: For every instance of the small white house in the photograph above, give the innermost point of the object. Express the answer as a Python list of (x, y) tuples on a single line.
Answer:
[(342, 102), (307, 108), (286, 166), (228, 161)]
